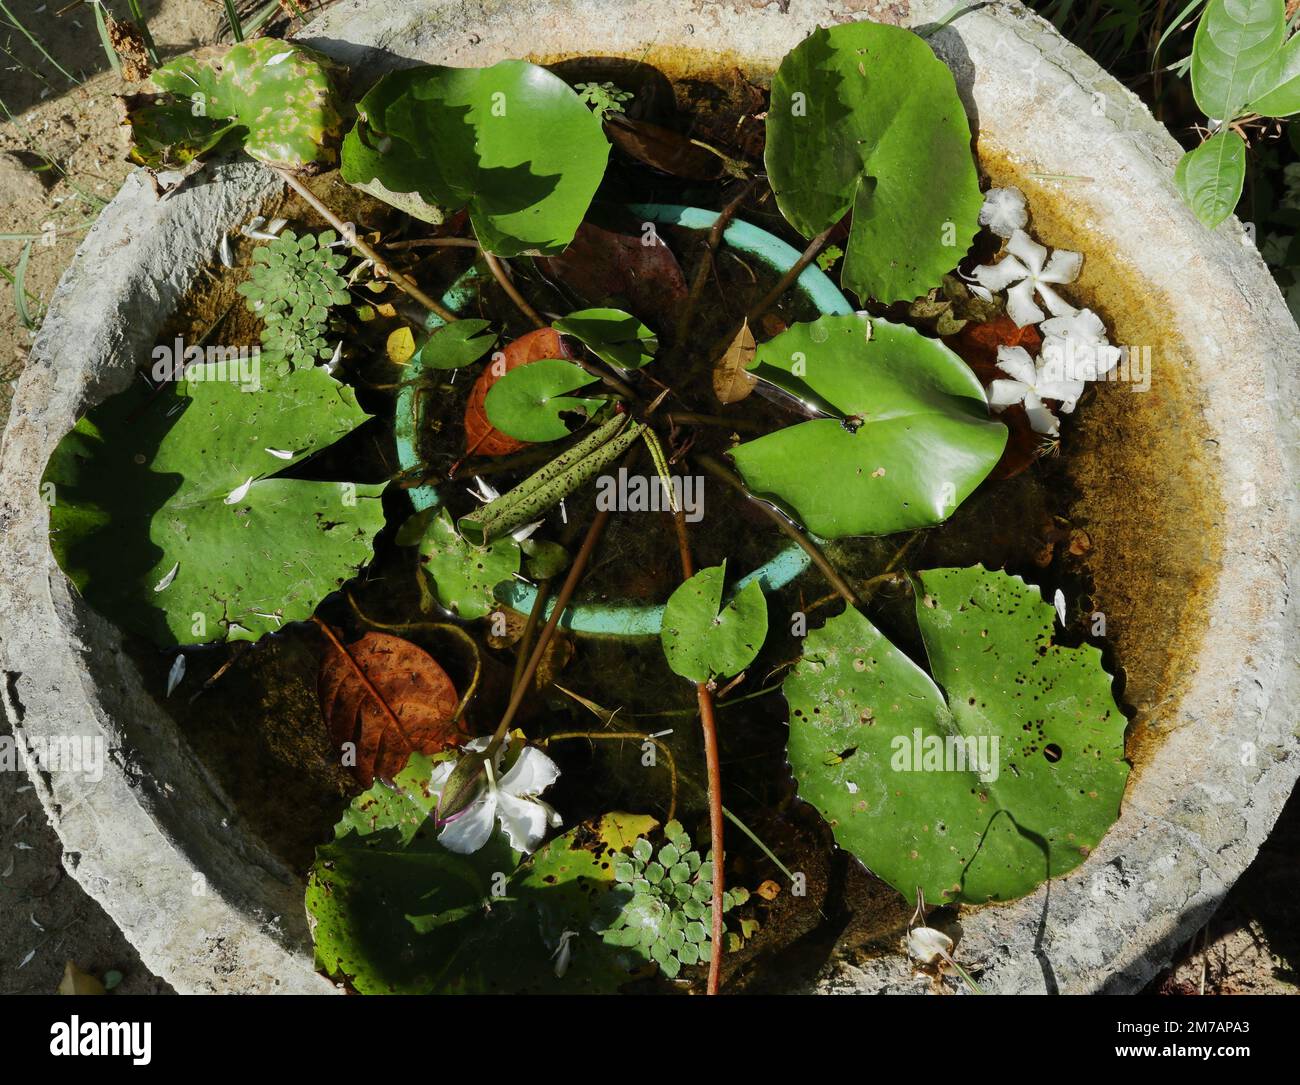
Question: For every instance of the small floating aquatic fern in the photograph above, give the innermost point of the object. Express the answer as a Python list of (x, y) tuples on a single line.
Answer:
[(293, 284)]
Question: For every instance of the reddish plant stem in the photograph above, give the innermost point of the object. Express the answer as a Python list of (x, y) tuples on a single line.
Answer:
[(348, 232), (709, 724), (716, 231), (512, 291)]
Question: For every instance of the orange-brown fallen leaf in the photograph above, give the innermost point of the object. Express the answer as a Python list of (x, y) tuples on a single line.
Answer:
[(389, 698), (481, 437)]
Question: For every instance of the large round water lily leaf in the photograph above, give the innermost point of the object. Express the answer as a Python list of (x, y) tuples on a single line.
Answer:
[(279, 93), (167, 515), (395, 911), (512, 143), (865, 117), (703, 639), (463, 574), (1010, 780), (529, 402), (908, 435)]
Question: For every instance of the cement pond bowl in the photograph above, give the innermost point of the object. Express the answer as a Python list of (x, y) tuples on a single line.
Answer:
[(1188, 490)]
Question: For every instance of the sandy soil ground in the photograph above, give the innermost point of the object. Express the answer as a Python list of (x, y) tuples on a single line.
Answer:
[(61, 157)]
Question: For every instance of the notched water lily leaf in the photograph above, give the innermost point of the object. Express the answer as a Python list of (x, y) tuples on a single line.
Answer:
[(481, 437), (1004, 769), (275, 96), (464, 575), (702, 639), (907, 438), (865, 117), (612, 335), (511, 143), (181, 489), (415, 689), (530, 404), (456, 344)]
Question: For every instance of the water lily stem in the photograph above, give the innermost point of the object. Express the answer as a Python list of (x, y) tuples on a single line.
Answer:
[(716, 231), (349, 232), (788, 529), (788, 279), (512, 292), (709, 725)]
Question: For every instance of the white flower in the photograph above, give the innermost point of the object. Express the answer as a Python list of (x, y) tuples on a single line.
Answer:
[(1027, 266), (928, 946), (1076, 345), (512, 800), (1004, 211), (1030, 384)]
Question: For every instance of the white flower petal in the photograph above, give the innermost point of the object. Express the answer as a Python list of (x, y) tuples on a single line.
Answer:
[(471, 828), (1063, 267), (1004, 211), (1056, 304), (999, 276), (167, 579), (524, 820), (1041, 419), (438, 778), (175, 675), (1028, 251), (1066, 392), (237, 494), (1016, 363), (1002, 394), (530, 775), (1020, 304), (927, 945)]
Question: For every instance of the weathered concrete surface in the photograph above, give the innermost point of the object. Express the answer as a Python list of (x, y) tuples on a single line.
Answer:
[(1228, 753)]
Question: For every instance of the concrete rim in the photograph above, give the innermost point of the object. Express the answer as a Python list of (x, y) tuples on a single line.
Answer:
[(139, 838)]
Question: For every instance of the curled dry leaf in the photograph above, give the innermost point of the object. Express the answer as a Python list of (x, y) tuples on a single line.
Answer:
[(732, 380), (481, 437), (416, 691)]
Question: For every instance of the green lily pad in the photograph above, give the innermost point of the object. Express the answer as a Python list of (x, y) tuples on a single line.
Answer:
[(1010, 780), (701, 638), (527, 403), (865, 117), (612, 335), (455, 345), (463, 574), (169, 516), (909, 439), (395, 912), (512, 143), (278, 93)]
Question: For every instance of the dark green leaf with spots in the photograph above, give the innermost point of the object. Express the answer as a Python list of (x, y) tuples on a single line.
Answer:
[(1005, 773)]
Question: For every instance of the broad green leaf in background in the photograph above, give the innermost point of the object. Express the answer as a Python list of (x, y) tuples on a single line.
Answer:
[(394, 911), (865, 117), (1210, 177), (512, 143), (528, 401), (169, 516), (456, 344), (612, 335), (1012, 779), (909, 437), (702, 639), (1277, 90), (277, 93), (464, 575), (1234, 53)]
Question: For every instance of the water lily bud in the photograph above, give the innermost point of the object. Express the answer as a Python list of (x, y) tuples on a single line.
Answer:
[(463, 785), (929, 946)]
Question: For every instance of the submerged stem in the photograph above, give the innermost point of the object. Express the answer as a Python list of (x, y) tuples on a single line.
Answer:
[(512, 292)]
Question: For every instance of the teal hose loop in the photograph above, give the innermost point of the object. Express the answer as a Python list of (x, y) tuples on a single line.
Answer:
[(634, 619)]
